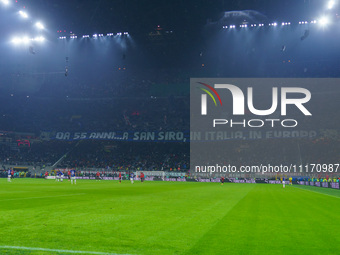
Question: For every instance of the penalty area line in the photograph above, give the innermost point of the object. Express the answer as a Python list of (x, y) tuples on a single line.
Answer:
[(57, 250)]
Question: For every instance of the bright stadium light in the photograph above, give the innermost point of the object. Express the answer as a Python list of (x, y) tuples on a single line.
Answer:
[(330, 4), (5, 2), (25, 40), (39, 25), (323, 21), (16, 40), (23, 14), (39, 39)]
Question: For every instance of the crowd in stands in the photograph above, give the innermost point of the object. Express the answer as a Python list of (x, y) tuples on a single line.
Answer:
[(275, 152), (102, 155), (39, 154), (149, 156), (151, 114), (126, 114), (142, 112), (129, 155), (122, 82)]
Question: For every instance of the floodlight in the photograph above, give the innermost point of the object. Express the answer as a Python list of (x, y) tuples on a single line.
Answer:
[(16, 40), (5, 2), (25, 40), (39, 39), (39, 25), (23, 14), (324, 21), (330, 4)]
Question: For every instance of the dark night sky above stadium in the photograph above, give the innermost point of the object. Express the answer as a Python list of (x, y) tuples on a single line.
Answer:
[(197, 41), (90, 16)]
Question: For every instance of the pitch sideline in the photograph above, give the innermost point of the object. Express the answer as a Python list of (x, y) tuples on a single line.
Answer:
[(24, 198), (320, 193), (57, 250)]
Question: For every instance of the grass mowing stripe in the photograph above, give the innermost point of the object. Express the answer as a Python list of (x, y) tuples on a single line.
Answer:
[(309, 188), (56, 250), (224, 214), (273, 220), (167, 219), (24, 198)]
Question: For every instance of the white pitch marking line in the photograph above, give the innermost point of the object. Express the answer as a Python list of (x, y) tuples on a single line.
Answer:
[(315, 191), (56, 250), (10, 199)]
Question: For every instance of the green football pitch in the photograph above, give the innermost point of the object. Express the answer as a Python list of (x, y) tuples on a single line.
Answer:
[(104, 217)]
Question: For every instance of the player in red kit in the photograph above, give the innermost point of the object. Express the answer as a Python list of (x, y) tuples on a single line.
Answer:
[(120, 177), (142, 177)]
